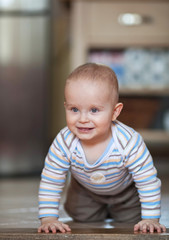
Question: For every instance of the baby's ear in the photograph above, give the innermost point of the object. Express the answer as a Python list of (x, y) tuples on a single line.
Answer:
[(117, 111)]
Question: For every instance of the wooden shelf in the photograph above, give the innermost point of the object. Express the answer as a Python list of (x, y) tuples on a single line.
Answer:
[(95, 25), (155, 136), (144, 91)]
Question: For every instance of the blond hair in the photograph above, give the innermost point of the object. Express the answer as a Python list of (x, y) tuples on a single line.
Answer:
[(96, 72)]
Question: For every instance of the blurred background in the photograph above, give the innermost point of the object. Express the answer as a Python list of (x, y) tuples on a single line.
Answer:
[(42, 41), (33, 65)]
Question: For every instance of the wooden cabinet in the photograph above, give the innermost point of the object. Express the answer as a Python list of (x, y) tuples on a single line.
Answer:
[(96, 24), (105, 25), (108, 19)]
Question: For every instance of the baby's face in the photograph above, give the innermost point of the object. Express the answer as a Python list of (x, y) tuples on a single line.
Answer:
[(89, 110)]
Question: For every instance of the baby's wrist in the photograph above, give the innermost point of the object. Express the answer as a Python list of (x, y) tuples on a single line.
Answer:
[(48, 219), (151, 219)]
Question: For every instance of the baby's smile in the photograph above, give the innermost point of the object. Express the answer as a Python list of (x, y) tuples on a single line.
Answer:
[(85, 129)]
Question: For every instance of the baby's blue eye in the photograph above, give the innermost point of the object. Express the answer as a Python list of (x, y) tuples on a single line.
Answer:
[(74, 109), (94, 110)]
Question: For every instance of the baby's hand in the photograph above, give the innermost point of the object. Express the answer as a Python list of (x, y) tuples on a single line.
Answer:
[(51, 224), (149, 225)]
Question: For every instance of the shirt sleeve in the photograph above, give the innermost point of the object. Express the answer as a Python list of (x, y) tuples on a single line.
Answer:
[(140, 164), (53, 179)]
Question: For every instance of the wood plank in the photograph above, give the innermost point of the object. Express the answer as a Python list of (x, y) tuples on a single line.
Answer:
[(82, 234)]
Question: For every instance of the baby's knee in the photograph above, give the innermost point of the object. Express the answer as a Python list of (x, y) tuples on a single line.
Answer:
[(76, 215), (86, 214)]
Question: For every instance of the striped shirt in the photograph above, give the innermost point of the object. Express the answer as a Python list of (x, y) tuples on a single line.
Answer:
[(126, 159)]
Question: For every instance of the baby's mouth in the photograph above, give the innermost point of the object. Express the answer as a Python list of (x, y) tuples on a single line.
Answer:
[(85, 129)]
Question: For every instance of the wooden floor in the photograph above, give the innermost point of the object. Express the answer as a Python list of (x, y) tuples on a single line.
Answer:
[(82, 234), (19, 211)]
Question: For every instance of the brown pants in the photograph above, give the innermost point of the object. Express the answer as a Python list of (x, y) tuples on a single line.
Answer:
[(84, 206)]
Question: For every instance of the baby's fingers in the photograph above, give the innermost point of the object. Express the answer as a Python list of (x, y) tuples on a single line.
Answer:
[(60, 227), (66, 227), (163, 228), (44, 228), (160, 228), (54, 227), (156, 227), (41, 229), (136, 227), (149, 227)]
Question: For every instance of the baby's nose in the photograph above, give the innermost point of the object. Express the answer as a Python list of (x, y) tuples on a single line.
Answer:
[(83, 117)]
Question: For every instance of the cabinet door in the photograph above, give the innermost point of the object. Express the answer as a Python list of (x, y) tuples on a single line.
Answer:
[(147, 23), (95, 24)]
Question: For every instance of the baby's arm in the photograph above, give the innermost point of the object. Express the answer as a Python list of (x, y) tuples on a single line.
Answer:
[(53, 178), (149, 225), (52, 224)]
